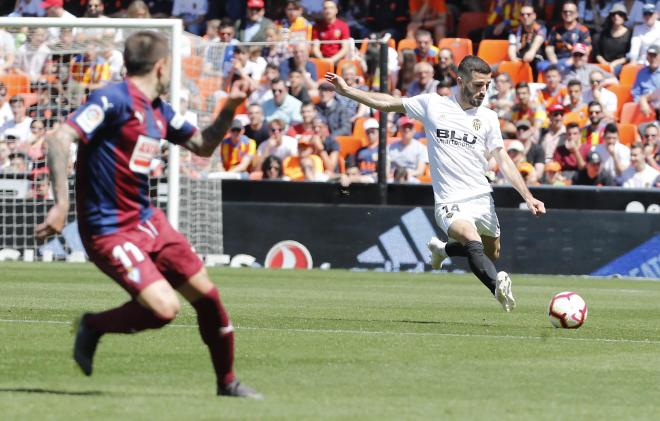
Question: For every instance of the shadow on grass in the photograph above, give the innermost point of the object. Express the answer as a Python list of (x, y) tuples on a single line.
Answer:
[(37, 390), (408, 321)]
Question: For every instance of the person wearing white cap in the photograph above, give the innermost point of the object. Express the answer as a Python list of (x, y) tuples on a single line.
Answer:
[(645, 35), (367, 157), (462, 135)]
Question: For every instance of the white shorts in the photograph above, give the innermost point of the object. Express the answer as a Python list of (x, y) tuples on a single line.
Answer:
[(478, 210)]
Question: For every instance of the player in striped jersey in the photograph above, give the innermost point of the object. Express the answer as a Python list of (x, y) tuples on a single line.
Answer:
[(462, 134), (118, 131)]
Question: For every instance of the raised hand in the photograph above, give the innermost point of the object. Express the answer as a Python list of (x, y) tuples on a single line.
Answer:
[(337, 81)]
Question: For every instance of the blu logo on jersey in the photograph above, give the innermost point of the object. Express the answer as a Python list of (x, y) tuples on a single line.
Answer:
[(455, 138)]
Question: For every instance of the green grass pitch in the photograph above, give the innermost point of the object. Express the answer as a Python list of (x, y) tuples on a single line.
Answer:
[(337, 345)]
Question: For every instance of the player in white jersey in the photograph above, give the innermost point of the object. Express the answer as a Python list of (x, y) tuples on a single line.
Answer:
[(462, 135)]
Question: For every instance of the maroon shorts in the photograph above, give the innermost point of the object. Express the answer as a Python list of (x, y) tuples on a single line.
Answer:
[(147, 253)]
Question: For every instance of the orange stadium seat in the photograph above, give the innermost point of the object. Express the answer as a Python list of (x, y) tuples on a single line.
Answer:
[(518, 71), (358, 128), (469, 21), (356, 63), (322, 67), (348, 145), (623, 95), (460, 47), (493, 51), (192, 66), (629, 74), (406, 44), (16, 82), (605, 67), (207, 86), (630, 113), (628, 133)]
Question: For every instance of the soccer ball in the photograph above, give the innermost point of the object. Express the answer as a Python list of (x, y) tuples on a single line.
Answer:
[(567, 310)]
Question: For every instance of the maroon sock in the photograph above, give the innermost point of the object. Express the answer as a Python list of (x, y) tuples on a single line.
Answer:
[(131, 317), (217, 333)]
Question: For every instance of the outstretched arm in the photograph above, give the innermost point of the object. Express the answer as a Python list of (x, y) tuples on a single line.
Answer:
[(204, 143), (382, 102), (58, 142), (511, 173)]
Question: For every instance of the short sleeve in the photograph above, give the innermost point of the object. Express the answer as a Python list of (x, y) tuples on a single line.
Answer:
[(416, 106), (178, 128), (494, 134), (100, 110)]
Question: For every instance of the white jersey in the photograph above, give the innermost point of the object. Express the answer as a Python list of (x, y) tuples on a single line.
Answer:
[(459, 143)]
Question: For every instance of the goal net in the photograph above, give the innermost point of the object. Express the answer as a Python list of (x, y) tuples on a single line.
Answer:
[(58, 62)]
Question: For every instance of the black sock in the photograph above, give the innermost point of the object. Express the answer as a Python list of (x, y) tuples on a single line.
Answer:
[(481, 265), (455, 249)]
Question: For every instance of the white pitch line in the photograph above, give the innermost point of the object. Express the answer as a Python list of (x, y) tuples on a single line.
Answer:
[(381, 332)]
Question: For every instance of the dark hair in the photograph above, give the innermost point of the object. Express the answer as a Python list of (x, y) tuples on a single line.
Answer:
[(572, 125), (522, 85), (574, 82), (611, 128), (551, 68), (276, 81), (142, 50), (295, 3), (471, 64), (240, 49), (268, 162), (637, 145), (273, 66), (594, 102), (226, 23), (16, 99)]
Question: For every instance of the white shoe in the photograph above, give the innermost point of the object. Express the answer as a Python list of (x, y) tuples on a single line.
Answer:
[(438, 254), (503, 292)]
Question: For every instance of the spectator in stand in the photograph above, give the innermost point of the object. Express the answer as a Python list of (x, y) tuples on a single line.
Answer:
[(47, 107), (569, 154), (592, 133), (138, 9), (552, 175), (645, 35), (555, 133), (526, 108), (639, 175), (408, 154), (331, 29), (19, 163), (294, 25), (91, 69), (425, 50), (423, 82), (503, 19), (613, 44), (603, 96), (55, 9), (575, 104), (516, 151), (553, 92), (651, 143), (446, 70), (28, 9), (272, 168), (592, 13), (367, 157), (350, 75), (257, 128), (389, 17), (634, 9), (237, 150), (297, 87), (36, 144), (645, 90), (263, 92), (31, 56), (5, 110), (591, 175), (580, 69), (333, 112), (534, 153), (219, 53), (614, 155), (193, 14), (95, 9), (5, 162), (325, 146), (502, 96), (212, 30), (282, 105), (526, 43), (275, 53), (562, 38), (428, 14), (40, 185), (7, 51), (299, 61), (253, 29), (306, 165), (306, 126), (20, 123), (277, 144)]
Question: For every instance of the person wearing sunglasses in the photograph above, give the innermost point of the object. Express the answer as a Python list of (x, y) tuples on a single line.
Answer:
[(645, 35), (563, 36), (277, 144)]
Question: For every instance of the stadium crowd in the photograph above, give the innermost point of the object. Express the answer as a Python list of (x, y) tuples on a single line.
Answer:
[(576, 84)]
